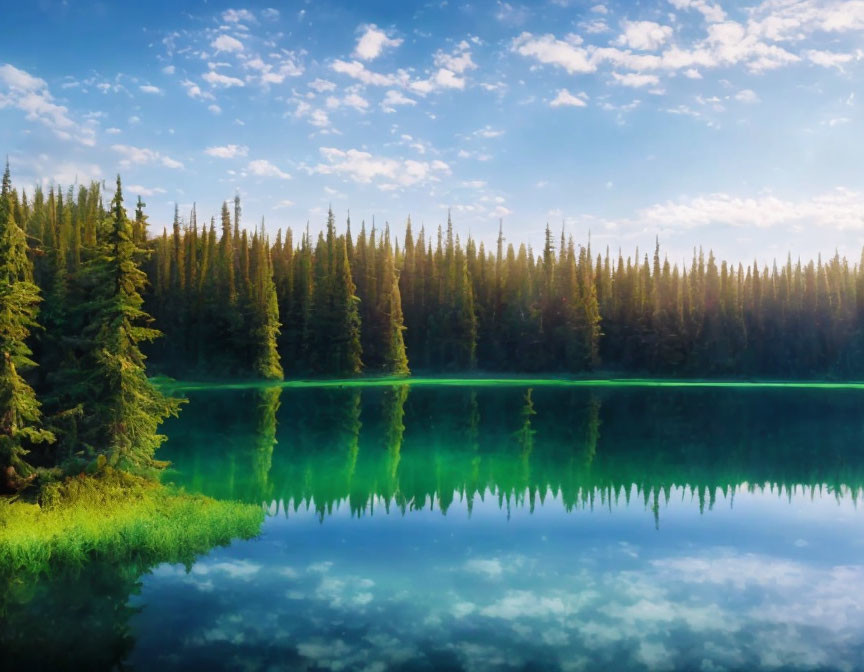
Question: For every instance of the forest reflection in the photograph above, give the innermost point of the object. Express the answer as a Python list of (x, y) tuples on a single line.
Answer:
[(404, 449)]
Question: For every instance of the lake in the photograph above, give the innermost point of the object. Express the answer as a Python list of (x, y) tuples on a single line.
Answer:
[(508, 527)]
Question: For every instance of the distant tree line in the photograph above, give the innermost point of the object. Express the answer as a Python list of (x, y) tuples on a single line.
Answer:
[(345, 303), (233, 302)]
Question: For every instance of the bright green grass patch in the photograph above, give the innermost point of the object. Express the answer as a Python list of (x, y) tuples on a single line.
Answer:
[(118, 517), (170, 385)]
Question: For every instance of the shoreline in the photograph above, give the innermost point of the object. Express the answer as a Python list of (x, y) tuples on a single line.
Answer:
[(502, 381)]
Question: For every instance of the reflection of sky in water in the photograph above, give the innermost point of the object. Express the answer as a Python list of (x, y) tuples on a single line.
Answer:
[(769, 582)]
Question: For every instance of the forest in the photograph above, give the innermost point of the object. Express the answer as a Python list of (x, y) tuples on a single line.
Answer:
[(85, 286)]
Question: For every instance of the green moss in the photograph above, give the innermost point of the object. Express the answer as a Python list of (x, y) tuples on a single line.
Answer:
[(118, 517)]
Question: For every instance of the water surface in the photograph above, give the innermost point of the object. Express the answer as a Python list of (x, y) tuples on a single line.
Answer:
[(504, 527)]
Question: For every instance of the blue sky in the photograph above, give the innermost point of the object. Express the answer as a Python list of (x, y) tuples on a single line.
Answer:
[(736, 125)]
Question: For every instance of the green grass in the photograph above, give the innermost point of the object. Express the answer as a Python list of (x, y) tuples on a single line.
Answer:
[(170, 385), (116, 516)]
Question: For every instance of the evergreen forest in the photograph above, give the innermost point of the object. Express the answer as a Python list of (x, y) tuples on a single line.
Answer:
[(87, 288)]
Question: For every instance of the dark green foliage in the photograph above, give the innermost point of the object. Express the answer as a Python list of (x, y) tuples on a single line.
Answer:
[(238, 305), (456, 307), (99, 402), (20, 413), (122, 408)]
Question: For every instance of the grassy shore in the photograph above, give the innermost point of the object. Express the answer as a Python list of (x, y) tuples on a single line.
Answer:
[(172, 386), (116, 516)]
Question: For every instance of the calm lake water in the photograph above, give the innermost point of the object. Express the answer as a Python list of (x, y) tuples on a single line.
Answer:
[(431, 528)]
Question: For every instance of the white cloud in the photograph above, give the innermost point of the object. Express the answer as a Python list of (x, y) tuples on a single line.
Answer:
[(168, 162), (565, 98), (264, 168), (21, 90), (795, 20), (48, 170), (215, 109), (135, 154), (477, 156), (827, 59), (322, 85), (372, 42), (549, 50), (226, 43), (358, 71), (235, 569), (316, 117), (284, 203), (726, 43), (194, 91), (594, 26), (227, 151), (113, 131), (390, 173), (353, 100), (838, 210), (488, 132), (238, 16), (747, 96), (712, 13), (491, 569), (218, 79), (635, 80), (459, 61), (138, 190), (20, 80), (447, 79), (644, 35), (837, 121), (141, 155), (525, 604), (169, 70), (394, 98), (275, 73), (149, 88)]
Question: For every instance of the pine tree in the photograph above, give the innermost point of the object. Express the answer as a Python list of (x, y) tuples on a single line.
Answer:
[(20, 414), (266, 313), (123, 409), (345, 338), (395, 357)]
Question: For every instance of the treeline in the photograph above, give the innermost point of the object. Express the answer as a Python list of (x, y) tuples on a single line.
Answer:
[(74, 393), (79, 281), (362, 302), (236, 303)]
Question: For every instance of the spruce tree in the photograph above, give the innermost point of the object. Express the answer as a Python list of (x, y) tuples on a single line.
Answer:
[(266, 313), (20, 414), (122, 408), (345, 339)]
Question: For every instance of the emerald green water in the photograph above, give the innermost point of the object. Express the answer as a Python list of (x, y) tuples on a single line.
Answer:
[(507, 526)]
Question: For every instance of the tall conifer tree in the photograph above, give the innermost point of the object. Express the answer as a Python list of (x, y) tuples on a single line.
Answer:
[(123, 409), (20, 415)]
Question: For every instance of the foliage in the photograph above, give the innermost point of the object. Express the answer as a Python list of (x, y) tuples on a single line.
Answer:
[(122, 408), (20, 413), (114, 515)]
